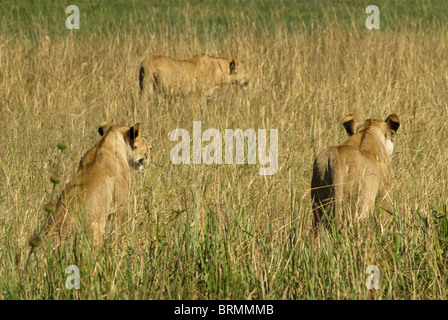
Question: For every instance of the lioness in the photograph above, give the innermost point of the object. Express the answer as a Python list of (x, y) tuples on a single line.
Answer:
[(100, 187), (202, 74), (354, 173)]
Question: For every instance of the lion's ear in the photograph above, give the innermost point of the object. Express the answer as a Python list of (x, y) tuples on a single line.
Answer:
[(350, 123), (102, 129), (232, 66), (393, 122), (134, 132)]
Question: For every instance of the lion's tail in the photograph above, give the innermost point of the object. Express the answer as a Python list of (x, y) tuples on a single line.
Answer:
[(141, 77), (147, 78)]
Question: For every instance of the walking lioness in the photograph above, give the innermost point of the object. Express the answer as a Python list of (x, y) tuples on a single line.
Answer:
[(202, 74), (349, 177), (100, 187)]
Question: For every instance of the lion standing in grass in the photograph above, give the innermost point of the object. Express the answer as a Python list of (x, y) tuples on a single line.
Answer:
[(100, 188), (351, 176), (202, 74)]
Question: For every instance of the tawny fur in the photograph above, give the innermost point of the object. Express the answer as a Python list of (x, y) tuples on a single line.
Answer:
[(101, 185), (348, 178), (201, 74)]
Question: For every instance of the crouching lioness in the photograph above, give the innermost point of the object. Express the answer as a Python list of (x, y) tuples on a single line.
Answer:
[(100, 188), (202, 74), (349, 177)]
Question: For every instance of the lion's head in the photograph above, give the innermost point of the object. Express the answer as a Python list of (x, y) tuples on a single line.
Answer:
[(138, 149), (239, 73), (383, 130)]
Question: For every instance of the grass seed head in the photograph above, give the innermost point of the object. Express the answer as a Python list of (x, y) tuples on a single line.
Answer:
[(55, 179), (35, 241), (50, 207), (62, 146)]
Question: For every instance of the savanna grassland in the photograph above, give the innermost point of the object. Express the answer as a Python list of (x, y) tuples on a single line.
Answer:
[(225, 231)]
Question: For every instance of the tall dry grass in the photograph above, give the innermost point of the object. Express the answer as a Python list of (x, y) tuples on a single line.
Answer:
[(225, 232)]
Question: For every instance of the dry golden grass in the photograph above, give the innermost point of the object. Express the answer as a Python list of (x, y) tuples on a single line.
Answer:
[(219, 232)]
